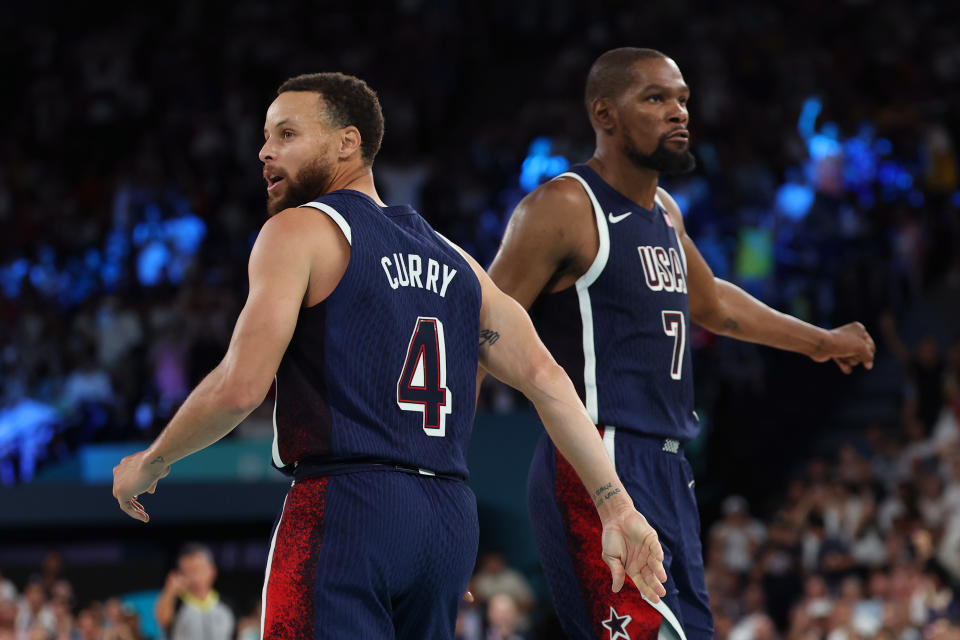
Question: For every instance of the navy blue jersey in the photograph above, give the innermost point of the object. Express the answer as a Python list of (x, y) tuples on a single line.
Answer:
[(621, 332), (384, 369)]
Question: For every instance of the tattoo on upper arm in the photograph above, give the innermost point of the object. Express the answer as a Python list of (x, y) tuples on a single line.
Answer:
[(158, 460), (730, 324), (488, 336)]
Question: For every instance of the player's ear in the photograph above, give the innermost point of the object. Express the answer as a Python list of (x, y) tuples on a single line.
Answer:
[(349, 142), (603, 115)]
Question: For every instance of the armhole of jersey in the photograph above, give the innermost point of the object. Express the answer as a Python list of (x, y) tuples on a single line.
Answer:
[(586, 307), (683, 254), (335, 216), (603, 252), (460, 253)]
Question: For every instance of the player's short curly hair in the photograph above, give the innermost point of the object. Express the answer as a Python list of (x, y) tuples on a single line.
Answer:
[(349, 101), (613, 72)]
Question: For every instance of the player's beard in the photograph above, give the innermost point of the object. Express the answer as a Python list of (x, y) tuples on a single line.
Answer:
[(663, 160), (309, 183)]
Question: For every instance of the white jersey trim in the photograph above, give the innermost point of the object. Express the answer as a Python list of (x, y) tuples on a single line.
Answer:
[(266, 577), (335, 216), (275, 448), (583, 295), (609, 434), (669, 616)]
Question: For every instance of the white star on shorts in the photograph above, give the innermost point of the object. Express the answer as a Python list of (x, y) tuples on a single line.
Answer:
[(617, 625)]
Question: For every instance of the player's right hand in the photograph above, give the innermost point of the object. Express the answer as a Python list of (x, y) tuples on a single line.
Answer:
[(632, 548)]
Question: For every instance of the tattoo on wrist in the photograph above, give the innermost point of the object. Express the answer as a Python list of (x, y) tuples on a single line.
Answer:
[(730, 324), (488, 336), (158, 460), (604, 493)]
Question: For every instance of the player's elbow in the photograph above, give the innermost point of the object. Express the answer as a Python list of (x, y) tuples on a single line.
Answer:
[(241, 396), (543, 377)]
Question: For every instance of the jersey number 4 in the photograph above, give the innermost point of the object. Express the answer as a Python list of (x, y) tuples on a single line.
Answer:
[(422, 386), (675, 327)]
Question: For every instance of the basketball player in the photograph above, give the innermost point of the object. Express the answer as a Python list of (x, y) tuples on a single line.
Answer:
[(367, 322), (600, 257)]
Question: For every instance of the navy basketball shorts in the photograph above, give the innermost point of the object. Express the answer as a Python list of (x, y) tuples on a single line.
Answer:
[(370, 554), (568, 531)]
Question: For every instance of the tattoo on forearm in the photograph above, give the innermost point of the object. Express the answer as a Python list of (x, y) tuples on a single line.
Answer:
[(604, 493), (819, 346), (158, 460), (730, 324), (488, 336)]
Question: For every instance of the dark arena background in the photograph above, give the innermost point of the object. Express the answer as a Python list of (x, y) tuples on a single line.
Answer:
[(827, 185)]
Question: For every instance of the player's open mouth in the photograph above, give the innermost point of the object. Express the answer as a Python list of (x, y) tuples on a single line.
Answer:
[(273, 181)]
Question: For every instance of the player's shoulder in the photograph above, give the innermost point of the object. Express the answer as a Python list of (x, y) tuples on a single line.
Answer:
[(559, 202), (302, 224), (672, 208)]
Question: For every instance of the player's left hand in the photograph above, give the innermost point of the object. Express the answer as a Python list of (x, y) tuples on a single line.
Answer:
[(631, 548), (133, 476), (848, 346)]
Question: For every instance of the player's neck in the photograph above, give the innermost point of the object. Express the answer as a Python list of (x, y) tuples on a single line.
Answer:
[(357, 179), (637, 183)]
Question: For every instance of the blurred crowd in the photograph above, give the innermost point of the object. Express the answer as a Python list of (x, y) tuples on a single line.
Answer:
[(828, 185), (130, 191)]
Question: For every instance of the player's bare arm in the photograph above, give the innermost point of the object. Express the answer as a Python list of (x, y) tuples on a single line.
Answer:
[(548, 243), (724, 308), (518, 358), (297, 260)]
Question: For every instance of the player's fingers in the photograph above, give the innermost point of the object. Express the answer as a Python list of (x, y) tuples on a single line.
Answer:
[(165, 473), (843, 365), (153, 487), (646, 585), (468, 597), (656, 568), (130, 508), (617, 572)]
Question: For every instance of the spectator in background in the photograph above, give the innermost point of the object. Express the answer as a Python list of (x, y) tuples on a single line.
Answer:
[(495, 577), (34, 610), (739, 534), (188, 607), (8, 591), (503, 618)]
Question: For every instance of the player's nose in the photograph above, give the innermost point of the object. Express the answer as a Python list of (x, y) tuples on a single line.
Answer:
[(266, 152), (679, 115)]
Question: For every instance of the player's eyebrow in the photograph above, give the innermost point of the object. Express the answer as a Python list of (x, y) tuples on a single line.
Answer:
[(276, 124), (660, 87)]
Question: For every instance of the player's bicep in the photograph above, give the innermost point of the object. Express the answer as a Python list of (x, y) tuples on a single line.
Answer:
[(510, 348), (279, 272), (540, 237)]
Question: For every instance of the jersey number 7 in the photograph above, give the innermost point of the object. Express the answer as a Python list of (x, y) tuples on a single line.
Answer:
[(422, 386), (675, 327)]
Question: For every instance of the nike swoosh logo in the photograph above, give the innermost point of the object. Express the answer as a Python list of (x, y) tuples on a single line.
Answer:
[(615, 219)]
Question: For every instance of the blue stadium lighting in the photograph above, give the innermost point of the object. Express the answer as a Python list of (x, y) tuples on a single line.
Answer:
[(151, 262), (683, 201), (807, 124), (186, 232), (883, 147), (539, 165), (956, 199), (794, 200), (915, 198)]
